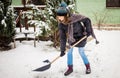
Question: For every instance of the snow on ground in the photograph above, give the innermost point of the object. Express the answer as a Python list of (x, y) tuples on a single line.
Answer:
[(104, 59)]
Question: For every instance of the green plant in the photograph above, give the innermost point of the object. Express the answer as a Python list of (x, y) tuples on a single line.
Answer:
[(7, 27), (48, 17)]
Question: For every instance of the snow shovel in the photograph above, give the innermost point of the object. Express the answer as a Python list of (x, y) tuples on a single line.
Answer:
[(43, 68)]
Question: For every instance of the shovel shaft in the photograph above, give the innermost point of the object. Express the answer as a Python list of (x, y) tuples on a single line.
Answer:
[(68, 49), (55, 59), (78, 41)]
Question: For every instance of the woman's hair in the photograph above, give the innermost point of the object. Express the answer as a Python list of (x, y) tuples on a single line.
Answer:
[(66, 19)]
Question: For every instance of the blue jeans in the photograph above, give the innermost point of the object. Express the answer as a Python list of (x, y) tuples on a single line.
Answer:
[(82, 54)]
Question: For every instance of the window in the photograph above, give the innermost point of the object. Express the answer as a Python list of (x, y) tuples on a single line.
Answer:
[(112, 3)]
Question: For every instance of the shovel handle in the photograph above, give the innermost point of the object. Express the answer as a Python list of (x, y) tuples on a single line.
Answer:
[(55, 59), (78, 41), (68, 49)]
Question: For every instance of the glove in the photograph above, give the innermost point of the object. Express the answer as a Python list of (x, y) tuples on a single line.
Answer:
[(62, 53)]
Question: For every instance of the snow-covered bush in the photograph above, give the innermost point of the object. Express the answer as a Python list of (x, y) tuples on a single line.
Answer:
[(50, 12), (7, 26), (46, 19)]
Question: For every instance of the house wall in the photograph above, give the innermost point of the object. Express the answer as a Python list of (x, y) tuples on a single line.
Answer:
[(91, 7), (16, 2)]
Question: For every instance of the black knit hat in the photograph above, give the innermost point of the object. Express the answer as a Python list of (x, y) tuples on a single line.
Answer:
[(62, 10)]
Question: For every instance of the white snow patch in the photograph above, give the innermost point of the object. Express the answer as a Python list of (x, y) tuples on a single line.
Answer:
[(104, 59)]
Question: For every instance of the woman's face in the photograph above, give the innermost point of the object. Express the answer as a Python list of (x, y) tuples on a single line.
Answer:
[(61, 18)]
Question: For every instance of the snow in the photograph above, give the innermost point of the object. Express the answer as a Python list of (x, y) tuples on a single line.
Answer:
[(3, 22), (30, 32), (104, 59)]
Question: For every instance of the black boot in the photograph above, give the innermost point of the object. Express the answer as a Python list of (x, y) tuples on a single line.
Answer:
[(88, 69), (69, 71)]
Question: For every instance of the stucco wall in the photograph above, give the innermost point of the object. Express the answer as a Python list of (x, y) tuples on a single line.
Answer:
[(90, 7)]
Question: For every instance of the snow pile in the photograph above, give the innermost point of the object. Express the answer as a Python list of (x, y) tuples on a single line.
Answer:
[(3, 23), (104, 59)]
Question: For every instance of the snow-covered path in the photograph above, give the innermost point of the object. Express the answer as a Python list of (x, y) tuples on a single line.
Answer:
[(104, 59)]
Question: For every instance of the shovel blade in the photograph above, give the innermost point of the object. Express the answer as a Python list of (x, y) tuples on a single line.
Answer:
[(43, 68)]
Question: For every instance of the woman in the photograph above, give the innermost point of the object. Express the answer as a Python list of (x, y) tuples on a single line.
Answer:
[(72, 28)]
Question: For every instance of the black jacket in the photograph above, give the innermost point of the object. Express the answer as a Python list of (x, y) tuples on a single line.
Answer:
[(80, 29)]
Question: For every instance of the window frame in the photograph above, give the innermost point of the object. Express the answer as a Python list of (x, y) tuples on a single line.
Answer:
[(109, 4)]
